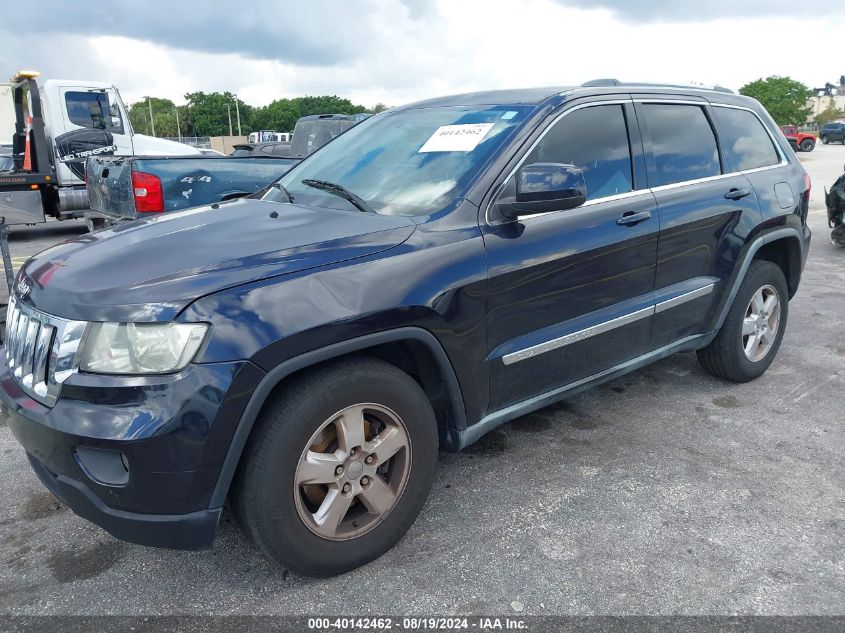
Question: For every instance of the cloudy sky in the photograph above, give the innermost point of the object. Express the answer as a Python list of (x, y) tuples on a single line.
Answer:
[(396, 51)]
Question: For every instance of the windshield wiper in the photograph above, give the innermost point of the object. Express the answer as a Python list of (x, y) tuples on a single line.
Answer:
[(258, 195), (340, 191), (278, 185)]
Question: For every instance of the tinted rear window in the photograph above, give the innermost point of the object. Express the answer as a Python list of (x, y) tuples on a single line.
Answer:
[(682, 143), (745, 141)]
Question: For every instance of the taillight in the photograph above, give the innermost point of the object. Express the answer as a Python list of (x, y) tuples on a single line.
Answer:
[(805, 200), (149, 197)]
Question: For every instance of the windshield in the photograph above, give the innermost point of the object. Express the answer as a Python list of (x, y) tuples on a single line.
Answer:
[(410, 162)]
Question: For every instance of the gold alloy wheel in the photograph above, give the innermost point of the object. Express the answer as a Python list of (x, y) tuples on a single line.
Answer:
[(761, 323), (352, 472)]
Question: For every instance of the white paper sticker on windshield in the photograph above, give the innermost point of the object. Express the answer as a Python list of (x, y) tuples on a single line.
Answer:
[(456, 138)]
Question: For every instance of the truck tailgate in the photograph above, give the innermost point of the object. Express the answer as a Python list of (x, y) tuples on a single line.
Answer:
[(187, 181), (109, 181)]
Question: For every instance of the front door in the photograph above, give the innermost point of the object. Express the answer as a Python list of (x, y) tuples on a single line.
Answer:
[(93, 125), (570, 292)]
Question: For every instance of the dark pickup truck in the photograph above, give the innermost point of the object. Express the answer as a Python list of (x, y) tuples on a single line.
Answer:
[(128, 187)]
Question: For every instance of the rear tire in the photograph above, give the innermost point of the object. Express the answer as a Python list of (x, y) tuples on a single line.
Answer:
[(314, 490), (750, 337), (824, 140)]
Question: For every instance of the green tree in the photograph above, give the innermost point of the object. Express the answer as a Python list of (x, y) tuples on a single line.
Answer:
[(208, 114), (784, 98), (831, 113), (164, 117), (280, 115), (326, 104), (379, 107)]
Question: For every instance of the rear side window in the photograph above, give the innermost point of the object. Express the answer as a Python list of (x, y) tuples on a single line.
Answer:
[(595, 139), (682, 143), (745, 141)]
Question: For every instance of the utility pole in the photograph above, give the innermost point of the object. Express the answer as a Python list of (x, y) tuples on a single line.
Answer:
[(178, 128), (229, 110), (152, 124), (238, 113)]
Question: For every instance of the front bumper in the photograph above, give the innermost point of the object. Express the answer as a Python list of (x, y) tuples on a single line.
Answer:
[(172, 431), (177, 531)]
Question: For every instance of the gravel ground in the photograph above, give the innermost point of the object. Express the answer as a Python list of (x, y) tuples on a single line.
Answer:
[(664, 492)]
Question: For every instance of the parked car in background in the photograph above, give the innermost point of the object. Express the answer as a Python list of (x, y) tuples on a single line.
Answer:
[(833, 133), (436, 271), (798, 140), (132, 187), (309, 134), (312, 132), (261, 149)]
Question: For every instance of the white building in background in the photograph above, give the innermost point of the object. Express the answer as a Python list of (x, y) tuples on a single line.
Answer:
[(830, 95)]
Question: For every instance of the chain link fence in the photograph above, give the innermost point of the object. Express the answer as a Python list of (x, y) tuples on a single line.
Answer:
[(200, 142)]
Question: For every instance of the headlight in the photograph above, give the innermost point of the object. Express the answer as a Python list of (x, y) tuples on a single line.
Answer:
[(141, 348)]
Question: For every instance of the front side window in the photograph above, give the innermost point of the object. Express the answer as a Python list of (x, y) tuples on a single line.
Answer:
[(682, 143), (745, 141), (93, 110), (406, 162), (594, 139)]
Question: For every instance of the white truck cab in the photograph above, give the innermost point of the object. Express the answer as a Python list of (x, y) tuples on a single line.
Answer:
[(70, 106), (57, 125)]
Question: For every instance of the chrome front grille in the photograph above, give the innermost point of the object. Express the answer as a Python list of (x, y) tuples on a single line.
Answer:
[(41, 350)]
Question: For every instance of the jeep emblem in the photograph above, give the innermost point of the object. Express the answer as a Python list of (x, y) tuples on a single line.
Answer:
[(23, 288)]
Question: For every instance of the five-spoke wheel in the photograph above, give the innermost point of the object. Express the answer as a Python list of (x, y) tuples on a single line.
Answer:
[(750, 336), (338, 467), (352, 471), (761, 324)]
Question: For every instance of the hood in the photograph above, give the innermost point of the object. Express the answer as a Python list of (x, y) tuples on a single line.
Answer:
[(150, 270), (144, 145)]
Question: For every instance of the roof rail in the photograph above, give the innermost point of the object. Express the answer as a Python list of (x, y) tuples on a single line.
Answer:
[(609, 83)]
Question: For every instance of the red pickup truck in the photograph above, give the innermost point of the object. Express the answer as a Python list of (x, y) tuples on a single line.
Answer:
[(800, 141)]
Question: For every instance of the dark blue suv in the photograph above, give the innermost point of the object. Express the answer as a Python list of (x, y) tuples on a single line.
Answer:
[(432, 273)]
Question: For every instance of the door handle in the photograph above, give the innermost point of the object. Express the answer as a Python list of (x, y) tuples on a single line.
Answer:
[(737, 194), (630, 218)]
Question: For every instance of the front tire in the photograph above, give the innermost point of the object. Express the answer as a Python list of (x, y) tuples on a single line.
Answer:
[(750, 337), (824, 140), (808, 145), (338, 467)]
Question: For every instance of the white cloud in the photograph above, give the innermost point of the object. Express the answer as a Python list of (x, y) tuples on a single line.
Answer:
[(416, 49)]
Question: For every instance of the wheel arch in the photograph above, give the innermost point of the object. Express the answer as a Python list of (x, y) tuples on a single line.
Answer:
[(786, 253), (782, 246), (414, 350)]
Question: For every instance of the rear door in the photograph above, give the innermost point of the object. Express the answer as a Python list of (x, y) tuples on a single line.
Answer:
[(706, 211), (93, 126), (749, 148), (570, 292)]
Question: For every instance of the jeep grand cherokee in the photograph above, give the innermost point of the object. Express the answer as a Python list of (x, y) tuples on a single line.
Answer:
[(432, 273)]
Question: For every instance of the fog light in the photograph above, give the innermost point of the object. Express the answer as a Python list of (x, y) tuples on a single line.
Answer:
[(109, 468)]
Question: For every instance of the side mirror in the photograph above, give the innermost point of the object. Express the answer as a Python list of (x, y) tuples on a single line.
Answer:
[(542, 187)]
